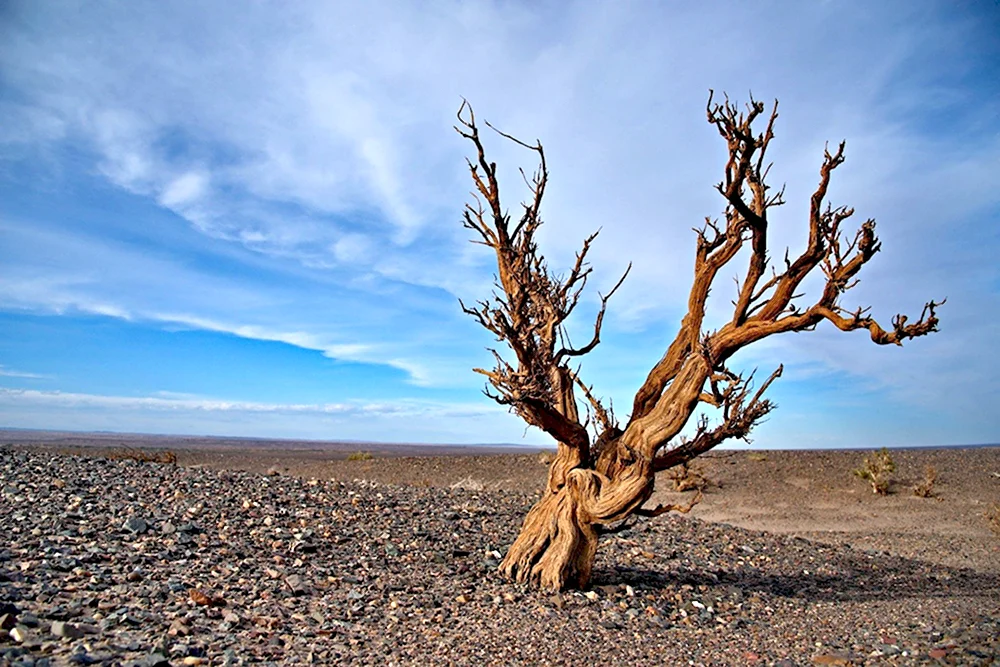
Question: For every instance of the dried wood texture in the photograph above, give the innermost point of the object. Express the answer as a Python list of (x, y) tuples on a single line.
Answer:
[(594, 482)]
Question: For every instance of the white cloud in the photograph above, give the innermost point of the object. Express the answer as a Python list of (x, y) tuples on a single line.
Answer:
[(398, 421), (11, 373), (321, 162), (169, 402), (353, 249), (184, 190)]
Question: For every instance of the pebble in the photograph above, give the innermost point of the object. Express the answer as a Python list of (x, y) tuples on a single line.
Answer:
[(136, 524), (66, 630), (291, 571), (297, 584)]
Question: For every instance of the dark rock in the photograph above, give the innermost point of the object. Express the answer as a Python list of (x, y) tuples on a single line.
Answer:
[(135, 524), (305, 548), (296, 584)]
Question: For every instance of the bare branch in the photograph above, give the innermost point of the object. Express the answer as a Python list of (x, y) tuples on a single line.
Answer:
[(531, 304), (599, 483), (570, 352), (741, 412), (663, 509)]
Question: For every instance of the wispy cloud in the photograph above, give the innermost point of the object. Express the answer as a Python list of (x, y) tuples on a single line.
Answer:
[(307, 190), (401, 409), (11, 373), (390, 421)]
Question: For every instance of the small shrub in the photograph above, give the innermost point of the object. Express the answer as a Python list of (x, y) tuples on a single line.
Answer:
[(877, 469), (925, 487), (143, 455), (757, 456), (687, 477), (993, 518), (546, 458), (360, 456)]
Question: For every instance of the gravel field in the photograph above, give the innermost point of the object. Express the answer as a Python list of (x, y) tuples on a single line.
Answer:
[(120, 562)]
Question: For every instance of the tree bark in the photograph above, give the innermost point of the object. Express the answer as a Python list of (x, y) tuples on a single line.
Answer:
[(558, 540), (603, 481)]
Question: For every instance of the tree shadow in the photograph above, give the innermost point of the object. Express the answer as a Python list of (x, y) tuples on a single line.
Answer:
[(858, 576)]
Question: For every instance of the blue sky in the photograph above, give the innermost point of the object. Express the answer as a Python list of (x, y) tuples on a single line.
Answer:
[(247, 223)]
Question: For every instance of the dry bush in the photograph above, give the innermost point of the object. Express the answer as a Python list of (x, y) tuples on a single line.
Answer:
[(877, 469), (993, 518), (546, 457), (925, 487), (360, 456), (688, 477), (143, 455), (757, 457)]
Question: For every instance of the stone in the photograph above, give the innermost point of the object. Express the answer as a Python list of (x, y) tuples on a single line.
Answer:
[(154, 660), (135, 524), (65, 630), (199, 598), (167, 528), (178, 629), (296, 584)]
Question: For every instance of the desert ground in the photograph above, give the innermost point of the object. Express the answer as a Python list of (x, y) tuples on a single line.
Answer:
[(261, 552)]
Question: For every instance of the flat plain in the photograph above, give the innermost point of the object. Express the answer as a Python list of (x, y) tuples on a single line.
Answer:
[(276, 552)]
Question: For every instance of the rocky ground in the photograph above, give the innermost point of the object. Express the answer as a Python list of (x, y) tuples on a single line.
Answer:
[(122, 562)]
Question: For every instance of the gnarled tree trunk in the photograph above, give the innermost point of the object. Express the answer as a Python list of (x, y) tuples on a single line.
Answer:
[(594, 484), (558, 540)]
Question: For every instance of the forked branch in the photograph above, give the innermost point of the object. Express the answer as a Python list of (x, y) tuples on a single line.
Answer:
[(741, 412), (530, 304)]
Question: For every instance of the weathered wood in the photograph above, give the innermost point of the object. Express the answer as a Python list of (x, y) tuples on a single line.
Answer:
[(600, 482)]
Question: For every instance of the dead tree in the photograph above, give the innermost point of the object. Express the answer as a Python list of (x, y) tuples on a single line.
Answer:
[(600, 481)]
